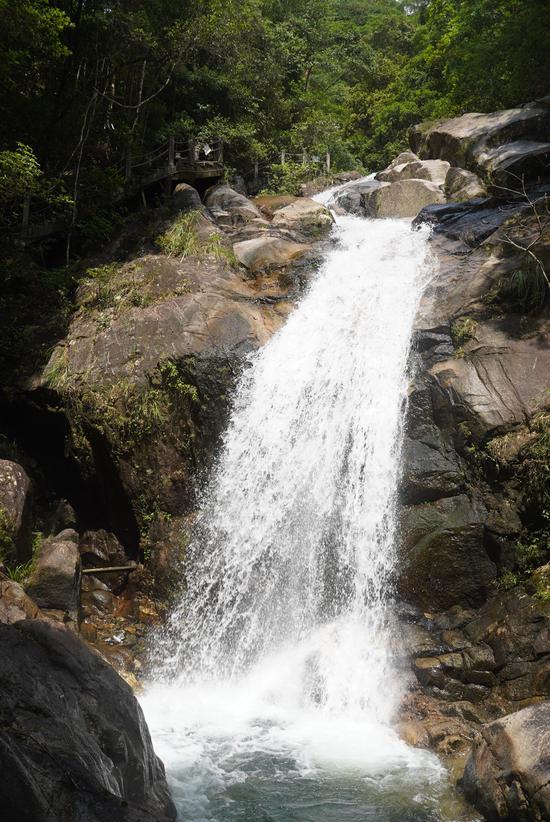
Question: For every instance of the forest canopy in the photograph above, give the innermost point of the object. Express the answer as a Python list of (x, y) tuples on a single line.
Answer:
[(82, 81)]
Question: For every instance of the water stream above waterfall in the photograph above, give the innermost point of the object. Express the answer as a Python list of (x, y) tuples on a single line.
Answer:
[(279, 685)]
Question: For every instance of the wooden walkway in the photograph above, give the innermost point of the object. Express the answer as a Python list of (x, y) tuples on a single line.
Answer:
[(174, 161)]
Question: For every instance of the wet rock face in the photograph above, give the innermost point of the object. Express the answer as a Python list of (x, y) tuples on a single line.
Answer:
[(404, 198), (269, 253), (443, 555), (353, 197), (480, 381), (306, 217), (507, 776), (73, 741)]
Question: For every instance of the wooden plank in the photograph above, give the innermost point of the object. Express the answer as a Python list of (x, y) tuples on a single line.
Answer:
[(110, 569)]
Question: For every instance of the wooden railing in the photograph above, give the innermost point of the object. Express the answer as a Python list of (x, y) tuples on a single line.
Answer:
[(173, 156)]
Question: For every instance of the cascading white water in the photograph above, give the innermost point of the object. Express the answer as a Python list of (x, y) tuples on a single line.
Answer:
[(282, 640)]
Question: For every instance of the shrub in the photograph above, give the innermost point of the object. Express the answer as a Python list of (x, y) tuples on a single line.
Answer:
[(462, 330), (535, 471), (182, 240), (286, 178), (526, 287)]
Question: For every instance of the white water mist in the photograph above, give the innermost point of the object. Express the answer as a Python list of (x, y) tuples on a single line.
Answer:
[(280, 647), (294, 546)]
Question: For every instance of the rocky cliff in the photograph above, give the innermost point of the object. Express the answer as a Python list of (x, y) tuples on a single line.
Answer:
[(475, 489), (105, 446)]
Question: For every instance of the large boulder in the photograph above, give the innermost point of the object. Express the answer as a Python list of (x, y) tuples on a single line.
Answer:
[(15, 511), (100, 549), (154, 348), (351, 197), (186, 198), (404, 198), (55, 581), (268, 252), (501, 144), (461, 185), (151, 360), (435, 171), (507, 776), (231, 208), (467, 223), (74, 745), (15, 604), (443, 560), (305, 217), (505, 166)]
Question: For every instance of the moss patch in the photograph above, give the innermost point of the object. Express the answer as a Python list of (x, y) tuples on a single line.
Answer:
[(124, 412)]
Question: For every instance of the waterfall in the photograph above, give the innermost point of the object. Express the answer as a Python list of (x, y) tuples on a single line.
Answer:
[(283, 634)]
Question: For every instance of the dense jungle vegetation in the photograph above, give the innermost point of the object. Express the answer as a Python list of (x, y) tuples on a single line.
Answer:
[(82, 80)]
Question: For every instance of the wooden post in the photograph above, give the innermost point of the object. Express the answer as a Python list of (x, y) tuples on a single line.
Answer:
[(304, 157), (328, 162), (192, 152), (220, 155), (26, 213), (283, 156), (172, 153), (256, 172), (128, 170)]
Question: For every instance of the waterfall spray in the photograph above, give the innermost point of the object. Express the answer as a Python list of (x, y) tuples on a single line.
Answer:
[(287, 608)]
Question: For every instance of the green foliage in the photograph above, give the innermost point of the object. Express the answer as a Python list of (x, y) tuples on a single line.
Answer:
[(442, 59), (19, 174), (7, 545), (124, 412), (101, 290), (535, 469), (183, 239), (526, 287), (173, 383), (531, 552), (540, 581), (35, 306), (508, 580), (286, 178), (19, 573), (462, 330), (82, 82)]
